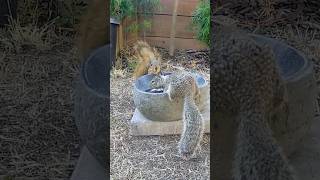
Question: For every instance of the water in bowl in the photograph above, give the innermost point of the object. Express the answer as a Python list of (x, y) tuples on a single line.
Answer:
[(155, 90), (159, 90)]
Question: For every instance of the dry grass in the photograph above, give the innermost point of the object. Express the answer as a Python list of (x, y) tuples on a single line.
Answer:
[(66, 13), (18, 37), (118, 73), (148, 157), (38, 138)]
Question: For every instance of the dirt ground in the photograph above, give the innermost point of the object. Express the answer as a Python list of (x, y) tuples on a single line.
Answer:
[(151, 157), (38, 138)]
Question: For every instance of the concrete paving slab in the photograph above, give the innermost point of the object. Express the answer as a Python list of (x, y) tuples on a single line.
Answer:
[(141, 126)]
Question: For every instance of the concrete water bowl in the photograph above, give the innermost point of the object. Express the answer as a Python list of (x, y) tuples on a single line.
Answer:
[(157, 106), (291, 125), (90, 90)]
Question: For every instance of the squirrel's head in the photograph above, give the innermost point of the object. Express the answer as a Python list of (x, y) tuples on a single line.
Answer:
[(154, 67), (156, 82), (155, 62)]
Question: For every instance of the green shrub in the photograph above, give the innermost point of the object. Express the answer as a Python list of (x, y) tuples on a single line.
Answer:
[(147, 7), (201, 21), (121, 9), (128, 8)]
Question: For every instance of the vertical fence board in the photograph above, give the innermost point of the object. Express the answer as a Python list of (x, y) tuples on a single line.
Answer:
[(160, 31)]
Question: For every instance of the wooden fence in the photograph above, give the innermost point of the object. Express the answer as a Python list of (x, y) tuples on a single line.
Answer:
[(160, 33)]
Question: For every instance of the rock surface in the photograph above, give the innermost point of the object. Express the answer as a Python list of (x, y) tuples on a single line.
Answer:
[(141, 126)]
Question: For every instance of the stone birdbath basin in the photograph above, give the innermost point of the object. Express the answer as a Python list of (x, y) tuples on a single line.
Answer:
[(290, 126), (157, 106), (90, 113), (155, 114)]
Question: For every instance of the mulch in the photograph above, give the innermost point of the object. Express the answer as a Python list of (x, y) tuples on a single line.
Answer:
[(38, 138)]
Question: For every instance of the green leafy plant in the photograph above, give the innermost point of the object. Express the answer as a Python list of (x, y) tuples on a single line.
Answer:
[(145, 24), (147, 7), (201, 21), (121, 9)]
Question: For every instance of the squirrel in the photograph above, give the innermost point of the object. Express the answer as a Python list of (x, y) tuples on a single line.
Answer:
[(93, 31), (149, 59), (247, 83), (181, 85)]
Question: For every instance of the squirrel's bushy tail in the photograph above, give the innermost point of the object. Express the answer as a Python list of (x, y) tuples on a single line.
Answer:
[(149, 60), (258, 156), (143, 51), (192, 128)]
